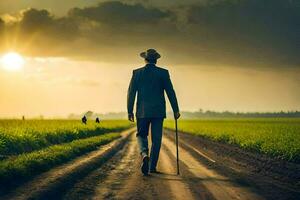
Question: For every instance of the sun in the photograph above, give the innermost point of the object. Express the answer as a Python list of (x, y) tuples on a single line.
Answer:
[(12, 61)]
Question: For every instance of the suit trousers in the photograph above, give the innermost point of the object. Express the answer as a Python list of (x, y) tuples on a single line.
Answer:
[(143, 125)]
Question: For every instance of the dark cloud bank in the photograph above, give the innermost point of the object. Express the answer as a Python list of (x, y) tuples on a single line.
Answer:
[(221, 32)]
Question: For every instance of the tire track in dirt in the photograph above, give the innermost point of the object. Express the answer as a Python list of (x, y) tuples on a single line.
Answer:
[(165, 185), (132, 184), (121, 178), (194, 184), (101, 183), (178, 187), (219, 186)]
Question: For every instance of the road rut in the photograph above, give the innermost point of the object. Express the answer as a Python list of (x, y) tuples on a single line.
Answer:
[(120, 178)]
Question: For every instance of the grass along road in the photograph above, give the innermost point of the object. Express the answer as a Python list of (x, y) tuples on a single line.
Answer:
[(25, 166), (278, 138), (17, 136), (31, 147)]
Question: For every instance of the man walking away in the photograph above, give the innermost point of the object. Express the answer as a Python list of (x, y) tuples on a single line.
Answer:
[(150, 82), (84, 119), (97, 120)]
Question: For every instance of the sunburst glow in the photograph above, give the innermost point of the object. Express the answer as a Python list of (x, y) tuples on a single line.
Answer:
[(12, 61)]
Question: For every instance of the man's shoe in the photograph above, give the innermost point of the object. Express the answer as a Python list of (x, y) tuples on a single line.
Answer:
[(154, 171), (145, 165)]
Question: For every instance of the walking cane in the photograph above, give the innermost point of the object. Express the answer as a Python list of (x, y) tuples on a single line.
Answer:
[(177, 154)]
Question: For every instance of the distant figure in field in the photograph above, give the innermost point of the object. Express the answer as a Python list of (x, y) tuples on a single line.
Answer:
[(149, 83), (97, 120), (84, 119), (23, 118)]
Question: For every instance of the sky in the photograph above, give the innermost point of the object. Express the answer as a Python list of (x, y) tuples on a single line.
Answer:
[(236, 55)]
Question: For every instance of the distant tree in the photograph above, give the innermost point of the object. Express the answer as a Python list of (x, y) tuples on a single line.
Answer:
[(228, 114)]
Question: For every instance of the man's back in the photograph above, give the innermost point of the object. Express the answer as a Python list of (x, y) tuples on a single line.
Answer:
[(149, 83)]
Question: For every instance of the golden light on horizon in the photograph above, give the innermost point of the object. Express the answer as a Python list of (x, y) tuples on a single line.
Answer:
[(12, 61)]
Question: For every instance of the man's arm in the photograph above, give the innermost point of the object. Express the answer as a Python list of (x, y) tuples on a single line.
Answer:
[(171, 95), (131, 97)]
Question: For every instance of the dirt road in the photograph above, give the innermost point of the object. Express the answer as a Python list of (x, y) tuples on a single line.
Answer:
[(120, 178)]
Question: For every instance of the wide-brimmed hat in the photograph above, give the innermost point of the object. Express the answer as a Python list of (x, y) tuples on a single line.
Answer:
[(150, 54)]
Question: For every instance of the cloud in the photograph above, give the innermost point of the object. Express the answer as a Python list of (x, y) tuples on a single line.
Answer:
[(118, 13), (221, 32), (84, 33), (33, 19), (264, 30), (44, 22)]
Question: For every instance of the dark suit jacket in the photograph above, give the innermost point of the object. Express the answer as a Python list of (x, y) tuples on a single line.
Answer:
[(149, 83)]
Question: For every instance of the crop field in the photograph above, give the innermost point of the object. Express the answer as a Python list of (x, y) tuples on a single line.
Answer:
[(18, 136), (278, 137), (30, 147)]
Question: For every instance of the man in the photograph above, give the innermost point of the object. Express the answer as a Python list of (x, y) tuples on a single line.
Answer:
[(97, 120), (150, 82), (84, 119)]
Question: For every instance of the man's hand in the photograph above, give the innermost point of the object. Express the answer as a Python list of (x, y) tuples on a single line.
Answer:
[(131, 117), (177, 115)]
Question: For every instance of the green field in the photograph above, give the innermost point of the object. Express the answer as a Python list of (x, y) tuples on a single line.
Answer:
[(30, 147), (26, 165), (275, 137), (18, 136)]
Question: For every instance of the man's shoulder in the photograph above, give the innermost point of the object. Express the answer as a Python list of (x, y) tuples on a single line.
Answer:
[(161, 69), (138, 69), (157, 68)]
